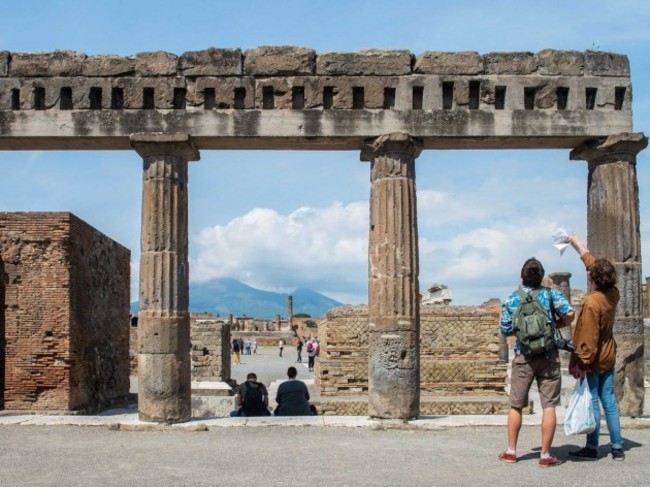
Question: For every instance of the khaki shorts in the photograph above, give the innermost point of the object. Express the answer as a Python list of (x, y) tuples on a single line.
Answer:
[(543, 368)]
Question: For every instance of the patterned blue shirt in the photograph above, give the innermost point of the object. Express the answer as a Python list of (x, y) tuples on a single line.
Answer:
[(508, 308)]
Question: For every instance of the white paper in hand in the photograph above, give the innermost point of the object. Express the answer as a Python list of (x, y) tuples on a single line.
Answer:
[(560, 240)]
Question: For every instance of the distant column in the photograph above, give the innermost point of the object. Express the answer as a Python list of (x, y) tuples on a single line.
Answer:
[(393, 291), (613, 233), (164, 379), (290, 312), (562, 281)]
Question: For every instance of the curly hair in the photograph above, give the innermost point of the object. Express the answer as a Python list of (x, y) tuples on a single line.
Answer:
[(603, 274), (532, 273)]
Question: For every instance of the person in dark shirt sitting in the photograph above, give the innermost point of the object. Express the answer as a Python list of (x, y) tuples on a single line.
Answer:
[(293, 397)]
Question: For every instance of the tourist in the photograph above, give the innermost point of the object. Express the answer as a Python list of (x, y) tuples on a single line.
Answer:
[(311, 350), (235, 351), (299, 350), (254, 346), (595, 353), (281, 345), (544, 367), (251, 398), (293, 397), (247, 347)]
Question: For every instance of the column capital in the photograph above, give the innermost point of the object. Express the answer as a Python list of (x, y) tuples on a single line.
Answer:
[(396, 142), (618, 147), (148, 144)]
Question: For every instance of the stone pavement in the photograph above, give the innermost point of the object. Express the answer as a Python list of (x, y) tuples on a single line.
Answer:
[(116, 449)]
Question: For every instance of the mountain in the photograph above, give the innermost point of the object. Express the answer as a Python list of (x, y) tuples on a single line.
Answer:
[(226, 296)]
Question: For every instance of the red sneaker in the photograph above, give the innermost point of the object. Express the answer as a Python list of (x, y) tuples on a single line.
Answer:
[(549, 462), (508, 457)]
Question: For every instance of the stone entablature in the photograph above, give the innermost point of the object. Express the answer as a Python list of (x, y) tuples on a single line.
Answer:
[(564, 96)]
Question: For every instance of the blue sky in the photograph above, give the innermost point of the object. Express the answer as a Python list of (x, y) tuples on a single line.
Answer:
[(283, 220)]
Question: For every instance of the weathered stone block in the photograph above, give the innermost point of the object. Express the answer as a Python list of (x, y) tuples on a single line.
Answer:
[(510, 63), (560, 63), (279, 61), (108, 65), (211, 62), (163, 335), (56, 63), (4, 63), (452, 63), (156, 63), (164, 388), (378, 62), (599, 63)]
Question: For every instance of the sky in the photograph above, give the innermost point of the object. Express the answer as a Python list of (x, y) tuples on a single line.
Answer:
[(281, 220)]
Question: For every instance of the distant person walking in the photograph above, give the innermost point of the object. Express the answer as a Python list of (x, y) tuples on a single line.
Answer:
[(311, 353), (299, 351), (235, 352), (293, 397), (281, 345), (255, 346)]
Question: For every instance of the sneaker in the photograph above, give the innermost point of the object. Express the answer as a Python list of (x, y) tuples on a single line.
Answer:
[(617, 454), (585, 453), (508, 457), (549, 462)]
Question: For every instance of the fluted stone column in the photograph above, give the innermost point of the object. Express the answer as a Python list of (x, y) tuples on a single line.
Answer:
[(393, 268), (164, 363), (613, 233)]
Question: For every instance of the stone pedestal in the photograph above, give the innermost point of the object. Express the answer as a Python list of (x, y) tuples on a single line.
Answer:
[(164, 382), (393, 294), (613, 233)]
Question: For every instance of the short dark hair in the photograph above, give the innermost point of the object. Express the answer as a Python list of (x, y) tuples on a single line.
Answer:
[(532, 273), (251, 376), (292, 372), (603, 274)]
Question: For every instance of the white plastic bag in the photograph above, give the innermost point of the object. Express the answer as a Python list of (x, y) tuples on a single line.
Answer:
[(579, 419)]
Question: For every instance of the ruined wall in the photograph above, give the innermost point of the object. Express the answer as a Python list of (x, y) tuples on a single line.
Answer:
[(210, 350), (459, 351), (66, 313)]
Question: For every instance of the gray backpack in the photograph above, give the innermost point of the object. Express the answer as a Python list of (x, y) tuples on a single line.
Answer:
[(532, 325)]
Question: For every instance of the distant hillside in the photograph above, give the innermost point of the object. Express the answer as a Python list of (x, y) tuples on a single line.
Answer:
[(229, 296)]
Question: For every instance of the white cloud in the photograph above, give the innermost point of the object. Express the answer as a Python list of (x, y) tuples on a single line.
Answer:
[(320, 248)]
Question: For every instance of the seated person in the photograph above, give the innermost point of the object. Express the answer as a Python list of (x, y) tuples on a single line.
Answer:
[(293, 397), (251, 398)]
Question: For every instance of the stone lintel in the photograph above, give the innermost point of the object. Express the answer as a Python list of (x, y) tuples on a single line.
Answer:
[(379, 62), (279, 61), (396, 142), (148, 144), (624, 146)]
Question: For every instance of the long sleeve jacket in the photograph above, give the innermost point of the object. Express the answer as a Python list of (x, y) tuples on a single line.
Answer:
[(593, 334)]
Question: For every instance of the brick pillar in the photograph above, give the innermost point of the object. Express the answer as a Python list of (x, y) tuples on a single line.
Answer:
[(164, 377), (613, 233), (3, 283), (393, 292)]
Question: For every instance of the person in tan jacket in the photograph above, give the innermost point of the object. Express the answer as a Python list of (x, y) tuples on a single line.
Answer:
[(595, 353)]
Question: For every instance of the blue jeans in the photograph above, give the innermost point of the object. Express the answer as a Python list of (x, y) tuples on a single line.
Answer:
[(601, 387)]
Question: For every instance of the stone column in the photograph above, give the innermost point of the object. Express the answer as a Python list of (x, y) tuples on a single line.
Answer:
[(562, 282), (164, 364), (393, 268), (613, 233)]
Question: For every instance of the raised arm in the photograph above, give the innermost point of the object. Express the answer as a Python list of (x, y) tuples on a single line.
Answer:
[(577, 245)]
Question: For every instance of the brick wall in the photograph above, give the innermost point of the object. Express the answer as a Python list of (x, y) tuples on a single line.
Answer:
[(210, 350), (459, 351), (66, 305)]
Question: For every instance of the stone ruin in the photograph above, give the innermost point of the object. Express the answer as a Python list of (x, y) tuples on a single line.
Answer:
[(388, 105), (65, 314)]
